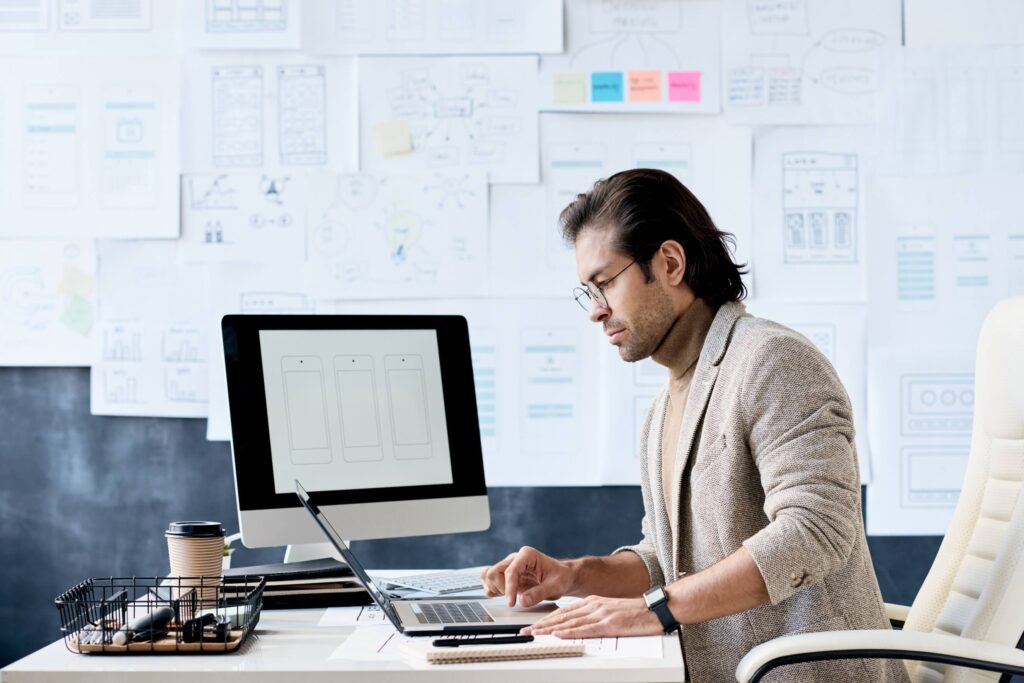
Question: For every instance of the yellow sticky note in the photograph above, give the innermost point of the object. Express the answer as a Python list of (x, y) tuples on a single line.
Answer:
[(570, 88), (393, 138), (76, 282)]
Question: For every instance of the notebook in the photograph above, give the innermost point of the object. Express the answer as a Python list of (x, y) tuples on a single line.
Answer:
[(422, 649)]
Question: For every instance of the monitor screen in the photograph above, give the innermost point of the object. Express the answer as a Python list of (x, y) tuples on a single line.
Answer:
[(355, 409), (376, 414)]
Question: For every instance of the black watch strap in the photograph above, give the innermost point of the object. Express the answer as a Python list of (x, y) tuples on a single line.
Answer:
[(660, 608)]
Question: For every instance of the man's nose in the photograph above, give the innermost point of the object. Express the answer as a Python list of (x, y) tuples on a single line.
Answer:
[(598, 311)]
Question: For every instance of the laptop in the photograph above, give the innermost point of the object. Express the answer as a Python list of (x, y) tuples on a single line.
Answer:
[(431, 616)]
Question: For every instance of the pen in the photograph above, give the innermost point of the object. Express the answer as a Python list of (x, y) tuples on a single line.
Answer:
[(497, 640)]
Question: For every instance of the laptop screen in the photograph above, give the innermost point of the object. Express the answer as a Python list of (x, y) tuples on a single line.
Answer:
[(381, 598)]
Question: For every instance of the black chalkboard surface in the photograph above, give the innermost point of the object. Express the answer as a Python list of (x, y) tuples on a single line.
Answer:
[(88, 496)]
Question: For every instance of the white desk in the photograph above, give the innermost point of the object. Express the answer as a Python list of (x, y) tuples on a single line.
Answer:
[(288, 646)]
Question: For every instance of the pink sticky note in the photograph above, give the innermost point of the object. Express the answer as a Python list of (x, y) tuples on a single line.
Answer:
[(644, 86), (684, 86)]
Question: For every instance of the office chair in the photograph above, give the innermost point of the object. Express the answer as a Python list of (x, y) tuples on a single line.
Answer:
[(970, 609)]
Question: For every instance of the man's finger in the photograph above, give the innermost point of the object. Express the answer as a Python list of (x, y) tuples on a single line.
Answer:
[(591, 630), (560, 615), (494, 576), (512, 574)]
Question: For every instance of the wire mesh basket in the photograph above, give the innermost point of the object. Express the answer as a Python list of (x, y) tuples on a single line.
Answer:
[(175, 615)]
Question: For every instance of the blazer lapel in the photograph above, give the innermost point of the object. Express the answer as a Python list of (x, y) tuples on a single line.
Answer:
[(704, 376)]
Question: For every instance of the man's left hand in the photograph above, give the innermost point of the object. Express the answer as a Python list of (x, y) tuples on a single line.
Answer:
[(596, 617)]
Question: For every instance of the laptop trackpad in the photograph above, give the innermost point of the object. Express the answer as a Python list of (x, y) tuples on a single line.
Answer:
[(500, 610)]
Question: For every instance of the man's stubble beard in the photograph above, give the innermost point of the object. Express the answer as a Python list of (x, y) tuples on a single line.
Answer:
[(649, 328)]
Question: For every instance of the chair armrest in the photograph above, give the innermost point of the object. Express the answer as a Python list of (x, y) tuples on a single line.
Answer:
[(896, 614), (879, 644)]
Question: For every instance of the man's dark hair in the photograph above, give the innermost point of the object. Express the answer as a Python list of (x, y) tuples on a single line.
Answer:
[(646, 207)]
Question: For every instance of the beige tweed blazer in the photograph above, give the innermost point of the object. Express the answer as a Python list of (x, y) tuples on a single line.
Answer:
[(765, 460)]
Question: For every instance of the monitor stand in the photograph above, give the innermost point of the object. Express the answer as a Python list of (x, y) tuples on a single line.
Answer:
[(310, 551)]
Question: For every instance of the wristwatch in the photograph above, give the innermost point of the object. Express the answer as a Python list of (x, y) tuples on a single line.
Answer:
[(657, 602)]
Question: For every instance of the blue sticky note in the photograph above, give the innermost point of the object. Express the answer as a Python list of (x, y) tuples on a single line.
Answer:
[(606, 86)]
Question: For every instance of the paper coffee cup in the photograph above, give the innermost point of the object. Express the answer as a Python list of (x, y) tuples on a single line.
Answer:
[(196, 550)]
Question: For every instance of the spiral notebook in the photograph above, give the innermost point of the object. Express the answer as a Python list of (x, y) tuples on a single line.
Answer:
[(422, 649)]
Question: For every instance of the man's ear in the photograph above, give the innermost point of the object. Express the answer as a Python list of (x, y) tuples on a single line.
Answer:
[(674, 257)]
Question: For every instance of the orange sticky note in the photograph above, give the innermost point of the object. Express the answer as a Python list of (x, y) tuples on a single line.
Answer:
[(644, 86)]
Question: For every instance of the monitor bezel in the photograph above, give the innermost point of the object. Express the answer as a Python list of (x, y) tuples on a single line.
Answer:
[(250, 429)]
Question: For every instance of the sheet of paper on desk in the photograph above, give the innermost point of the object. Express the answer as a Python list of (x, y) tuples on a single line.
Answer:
[(353, 616), (372, 642), (642, 647)]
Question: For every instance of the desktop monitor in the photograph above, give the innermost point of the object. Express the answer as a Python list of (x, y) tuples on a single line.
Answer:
[(375, 414)]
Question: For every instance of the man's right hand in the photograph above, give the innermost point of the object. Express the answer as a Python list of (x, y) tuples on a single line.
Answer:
[(529, 575)]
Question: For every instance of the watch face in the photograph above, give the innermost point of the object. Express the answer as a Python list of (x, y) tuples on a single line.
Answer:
[(654, 596)]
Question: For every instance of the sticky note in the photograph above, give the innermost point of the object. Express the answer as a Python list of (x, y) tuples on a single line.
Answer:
[(644, 86), (606, 86), (684, 86), (76, 282), (570, 88), (393, 138)]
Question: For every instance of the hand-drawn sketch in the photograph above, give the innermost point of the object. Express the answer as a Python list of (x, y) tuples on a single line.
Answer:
[(302, 113), (805, 62), (242, 216), (819, 206), (408, 236), (936, 414), (47, 302), (661, 55), (461, 112), (237, 108)]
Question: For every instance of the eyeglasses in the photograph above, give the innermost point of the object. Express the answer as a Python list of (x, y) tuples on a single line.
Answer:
[(595, 292)]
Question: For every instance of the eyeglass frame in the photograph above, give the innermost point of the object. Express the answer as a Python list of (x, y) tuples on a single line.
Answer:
[(599, 296)]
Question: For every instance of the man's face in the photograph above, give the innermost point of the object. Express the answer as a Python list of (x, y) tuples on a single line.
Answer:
[(638, 314)]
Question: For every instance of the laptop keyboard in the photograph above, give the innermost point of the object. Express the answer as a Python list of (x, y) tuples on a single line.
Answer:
[(451, 613)]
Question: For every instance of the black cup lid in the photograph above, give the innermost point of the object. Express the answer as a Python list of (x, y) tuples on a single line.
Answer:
[(194, 529)]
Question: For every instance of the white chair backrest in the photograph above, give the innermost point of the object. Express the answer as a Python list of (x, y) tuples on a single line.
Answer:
[(975, 587)]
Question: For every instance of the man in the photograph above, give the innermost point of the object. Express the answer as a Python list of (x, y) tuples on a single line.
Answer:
[(752, 525)]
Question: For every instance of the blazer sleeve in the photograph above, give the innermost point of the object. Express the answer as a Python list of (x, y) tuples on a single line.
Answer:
[(646, 551), (646, 548), (800, 430)]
